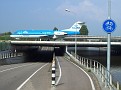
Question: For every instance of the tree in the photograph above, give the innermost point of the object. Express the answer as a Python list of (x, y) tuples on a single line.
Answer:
[(84, 30), (5, 36), (7, 33), (55, 29)]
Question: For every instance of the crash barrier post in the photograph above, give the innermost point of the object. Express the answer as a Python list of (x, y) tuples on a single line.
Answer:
[(53, 71)]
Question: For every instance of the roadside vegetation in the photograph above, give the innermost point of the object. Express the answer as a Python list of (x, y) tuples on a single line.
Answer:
[(5, 36), (84, 30)]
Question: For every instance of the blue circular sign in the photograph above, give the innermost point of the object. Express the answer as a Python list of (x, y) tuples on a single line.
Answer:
[(109, 25)]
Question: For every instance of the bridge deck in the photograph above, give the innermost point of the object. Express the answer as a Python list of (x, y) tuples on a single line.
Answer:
[(64, 43)]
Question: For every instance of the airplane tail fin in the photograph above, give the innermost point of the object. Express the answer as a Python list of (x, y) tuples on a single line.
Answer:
[(77, 26)]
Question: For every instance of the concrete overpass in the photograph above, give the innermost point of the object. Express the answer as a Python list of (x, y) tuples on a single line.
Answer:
[(63, 43), (82, 41)]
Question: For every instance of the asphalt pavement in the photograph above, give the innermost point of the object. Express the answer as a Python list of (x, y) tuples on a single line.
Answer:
[(13, 76), (37, 76), (73, 78)]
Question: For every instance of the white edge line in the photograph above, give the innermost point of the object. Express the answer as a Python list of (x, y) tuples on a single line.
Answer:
[(59, 72), (30, 77), (92, 84), (14, 68)]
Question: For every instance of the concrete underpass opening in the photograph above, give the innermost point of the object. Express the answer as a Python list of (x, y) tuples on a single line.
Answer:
[(33, 53), (20, 48), (38, 56), (59, 51)]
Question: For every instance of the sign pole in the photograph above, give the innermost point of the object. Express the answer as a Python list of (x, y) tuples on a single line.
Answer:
[(109, 44), (109, 26), (108, 57)]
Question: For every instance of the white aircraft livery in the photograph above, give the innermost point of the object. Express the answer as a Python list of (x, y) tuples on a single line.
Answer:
[(48, 33)]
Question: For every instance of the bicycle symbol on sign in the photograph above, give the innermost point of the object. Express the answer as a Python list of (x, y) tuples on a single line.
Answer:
[(109, 26)]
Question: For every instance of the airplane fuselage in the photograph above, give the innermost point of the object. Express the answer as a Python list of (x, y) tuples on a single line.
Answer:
[(74, 30), (34, 32)]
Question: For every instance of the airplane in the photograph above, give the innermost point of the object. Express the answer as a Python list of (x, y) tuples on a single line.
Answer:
[(74, 30)]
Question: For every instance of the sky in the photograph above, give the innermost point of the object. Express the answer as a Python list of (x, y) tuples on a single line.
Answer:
[(47, 14)]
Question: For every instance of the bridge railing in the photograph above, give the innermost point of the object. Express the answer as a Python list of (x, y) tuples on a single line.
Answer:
[(6, 55), (98, 69)]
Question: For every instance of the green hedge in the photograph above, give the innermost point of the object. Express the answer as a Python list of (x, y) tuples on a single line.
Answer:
[(4, 46)]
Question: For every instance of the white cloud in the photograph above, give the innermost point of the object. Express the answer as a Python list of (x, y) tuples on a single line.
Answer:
[(85, 8)]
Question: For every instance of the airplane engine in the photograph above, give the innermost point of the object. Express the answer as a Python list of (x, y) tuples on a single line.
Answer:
[(58, 34), (54, 37)]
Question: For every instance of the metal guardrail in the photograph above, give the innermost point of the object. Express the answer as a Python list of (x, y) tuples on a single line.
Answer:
[(9, 55), (93, 38), (98, 69), (89, 36)]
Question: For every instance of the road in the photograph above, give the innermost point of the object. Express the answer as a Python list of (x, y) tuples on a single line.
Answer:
[(37, 76), (73, 78), (26, 76)]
